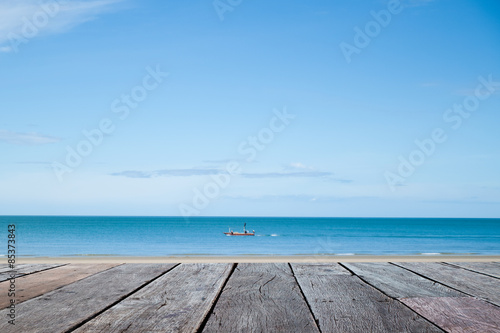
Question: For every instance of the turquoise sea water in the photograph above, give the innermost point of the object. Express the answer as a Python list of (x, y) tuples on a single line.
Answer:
[(165, 236)]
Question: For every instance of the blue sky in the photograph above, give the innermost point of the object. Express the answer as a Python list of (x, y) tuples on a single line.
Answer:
[(179, 89)]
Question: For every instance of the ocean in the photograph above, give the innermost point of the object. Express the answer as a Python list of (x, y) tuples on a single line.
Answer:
[(54, 236)]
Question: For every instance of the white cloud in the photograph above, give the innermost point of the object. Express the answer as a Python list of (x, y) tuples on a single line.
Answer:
[(26, 138), (307, 174), (26, 19), (298, 165)]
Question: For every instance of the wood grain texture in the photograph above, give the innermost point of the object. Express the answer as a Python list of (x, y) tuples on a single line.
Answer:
[(320, 269), (489, 268), (472, 283), (261, 298), (36, 284), (458, 314), (176, 302), (344, 303), (398, 282), (25, 269), (63, 308)]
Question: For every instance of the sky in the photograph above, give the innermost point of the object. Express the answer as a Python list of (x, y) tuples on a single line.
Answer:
[(250, 108)]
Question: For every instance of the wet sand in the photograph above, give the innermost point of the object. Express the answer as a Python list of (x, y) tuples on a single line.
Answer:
[(260, 259)]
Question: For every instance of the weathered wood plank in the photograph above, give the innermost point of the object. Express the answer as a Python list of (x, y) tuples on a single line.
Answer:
[(19, 267), (489, 268), (398, 282), (25, 269), (320, 269), (479, 285), (66, 307), (458, 314), (6, 268), (36, 284), (261, 298), (344, 303), (176, 302)]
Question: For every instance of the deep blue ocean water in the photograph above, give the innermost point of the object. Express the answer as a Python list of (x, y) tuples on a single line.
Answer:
[(166, 236)]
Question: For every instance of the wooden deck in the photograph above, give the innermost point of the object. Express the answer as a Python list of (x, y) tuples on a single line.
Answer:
[(246, 297)]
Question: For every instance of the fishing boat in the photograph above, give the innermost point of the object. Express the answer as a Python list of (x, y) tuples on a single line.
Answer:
[(244, 233)]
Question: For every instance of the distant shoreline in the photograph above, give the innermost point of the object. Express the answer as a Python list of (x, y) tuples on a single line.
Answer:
[(260, 259)]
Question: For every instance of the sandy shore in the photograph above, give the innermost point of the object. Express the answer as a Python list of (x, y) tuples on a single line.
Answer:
[(260, 259)]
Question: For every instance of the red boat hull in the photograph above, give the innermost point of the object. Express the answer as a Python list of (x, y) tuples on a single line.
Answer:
[(239, 234)]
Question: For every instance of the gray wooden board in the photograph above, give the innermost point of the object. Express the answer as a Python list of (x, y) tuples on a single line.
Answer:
[(25, 269), (6, 268), (489, 268), (344, 303), (398, 282), (36, 284), (176, 302), (261, 298), (63, 308), (458, 314), (471, 283), (320, 269)]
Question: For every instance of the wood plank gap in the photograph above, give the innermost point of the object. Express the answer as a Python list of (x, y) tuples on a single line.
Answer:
[(468, 269), (305, 298), (209, 313), (368, 283), (107, 269), (475, 293), (83, 322), (441, 283), (7, 269), (45, 269), (42, 282), (33, 272), (394, 298), (458, 314), (261, 297), (87, 277), (428, 278)]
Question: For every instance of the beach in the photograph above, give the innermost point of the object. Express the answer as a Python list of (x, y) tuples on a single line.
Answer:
[(259, 259)]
